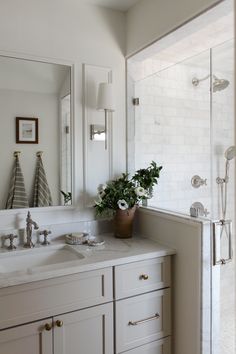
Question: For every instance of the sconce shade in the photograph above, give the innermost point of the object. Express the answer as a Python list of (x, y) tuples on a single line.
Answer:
[(105, 97)]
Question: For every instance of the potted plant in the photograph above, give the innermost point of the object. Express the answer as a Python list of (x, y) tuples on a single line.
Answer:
[(119, 198)]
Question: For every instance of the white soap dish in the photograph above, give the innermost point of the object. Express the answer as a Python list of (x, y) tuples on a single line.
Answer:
[(95, 241)]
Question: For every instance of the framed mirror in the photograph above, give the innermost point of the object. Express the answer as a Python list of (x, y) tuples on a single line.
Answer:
[(36, 121)]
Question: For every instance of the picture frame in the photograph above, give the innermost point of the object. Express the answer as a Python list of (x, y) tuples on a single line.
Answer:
[(27, 130)]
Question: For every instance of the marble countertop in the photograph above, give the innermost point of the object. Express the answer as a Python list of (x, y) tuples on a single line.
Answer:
[(113, 252)]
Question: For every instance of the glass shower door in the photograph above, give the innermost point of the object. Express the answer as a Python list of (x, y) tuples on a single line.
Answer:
[(223, 199)]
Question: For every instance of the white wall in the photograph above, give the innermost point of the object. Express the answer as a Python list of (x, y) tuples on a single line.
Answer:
[(148, 20), (45, 108), (67, 31)]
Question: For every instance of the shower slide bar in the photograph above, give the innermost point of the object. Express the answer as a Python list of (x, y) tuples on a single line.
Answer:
[(219, 227)]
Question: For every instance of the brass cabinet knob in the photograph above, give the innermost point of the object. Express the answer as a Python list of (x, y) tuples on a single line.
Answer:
[(48, 326), (143, 277), (59, 323)]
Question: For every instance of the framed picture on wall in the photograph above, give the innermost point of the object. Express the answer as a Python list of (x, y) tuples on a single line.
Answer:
[(26, 130)]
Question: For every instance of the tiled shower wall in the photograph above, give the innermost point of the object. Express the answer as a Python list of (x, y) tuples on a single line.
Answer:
[(173, 127)]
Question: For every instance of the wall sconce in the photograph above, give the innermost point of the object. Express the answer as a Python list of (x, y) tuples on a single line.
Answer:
[(105, 102), (97, 132)]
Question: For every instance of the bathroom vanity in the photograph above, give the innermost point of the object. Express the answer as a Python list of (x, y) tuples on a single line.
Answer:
[(115, 298)]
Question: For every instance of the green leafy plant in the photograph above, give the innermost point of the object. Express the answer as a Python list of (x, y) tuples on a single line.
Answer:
[(124, 193), (147, 177), (67, 197)]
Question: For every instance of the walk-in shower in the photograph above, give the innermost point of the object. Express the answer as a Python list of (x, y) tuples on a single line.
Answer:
[(185, 121)]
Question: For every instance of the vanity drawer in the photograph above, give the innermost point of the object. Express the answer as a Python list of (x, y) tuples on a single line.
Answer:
[(143, 276), (162, 346), (142, 319), (32, 301)]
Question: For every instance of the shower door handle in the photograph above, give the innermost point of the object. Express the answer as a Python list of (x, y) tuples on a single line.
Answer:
[(219, 227)]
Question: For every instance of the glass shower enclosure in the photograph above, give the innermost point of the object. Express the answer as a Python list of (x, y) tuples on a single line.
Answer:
[(185, 121)]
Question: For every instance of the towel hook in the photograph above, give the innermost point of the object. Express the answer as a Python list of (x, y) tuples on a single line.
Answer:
[(39, 153), (16, 153)]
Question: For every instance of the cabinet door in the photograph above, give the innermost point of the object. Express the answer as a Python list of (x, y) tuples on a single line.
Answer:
[(32, 338), (88, 331)]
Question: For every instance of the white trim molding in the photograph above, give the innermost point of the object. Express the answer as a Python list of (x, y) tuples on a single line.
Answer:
[(98, 162)]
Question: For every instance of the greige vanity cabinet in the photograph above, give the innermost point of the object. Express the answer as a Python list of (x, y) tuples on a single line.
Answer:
[(143, 307), (27, 339), (84, 331), (78, 312), (85, 302)]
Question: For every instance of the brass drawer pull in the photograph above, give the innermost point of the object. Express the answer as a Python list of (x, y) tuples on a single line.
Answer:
[(59, 323), (135, 323), (48, 326), (143, 277)]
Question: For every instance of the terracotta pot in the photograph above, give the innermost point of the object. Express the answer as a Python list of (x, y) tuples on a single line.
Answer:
[(123, 223)]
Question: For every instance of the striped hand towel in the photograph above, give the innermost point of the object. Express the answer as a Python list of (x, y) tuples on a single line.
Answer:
[(17, 197), (42, 194)]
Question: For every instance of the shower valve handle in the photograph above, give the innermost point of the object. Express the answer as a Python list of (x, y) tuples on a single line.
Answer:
[(197, 181)]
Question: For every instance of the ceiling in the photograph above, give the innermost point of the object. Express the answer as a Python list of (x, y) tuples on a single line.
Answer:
[(190, 45), (121, 5)]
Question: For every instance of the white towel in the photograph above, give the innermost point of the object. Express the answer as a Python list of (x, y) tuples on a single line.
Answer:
[(17, 197), (42, 194)]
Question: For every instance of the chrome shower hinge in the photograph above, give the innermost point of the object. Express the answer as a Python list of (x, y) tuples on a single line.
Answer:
[(135, 101)]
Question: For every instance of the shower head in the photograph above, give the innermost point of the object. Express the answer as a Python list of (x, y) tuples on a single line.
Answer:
[(219, 84), (230, 153)]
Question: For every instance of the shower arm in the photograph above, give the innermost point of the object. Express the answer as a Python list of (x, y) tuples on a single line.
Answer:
[(196, 81), (204, 78)]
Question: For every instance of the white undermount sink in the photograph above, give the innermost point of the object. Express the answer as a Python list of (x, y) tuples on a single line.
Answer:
[(39, 259)]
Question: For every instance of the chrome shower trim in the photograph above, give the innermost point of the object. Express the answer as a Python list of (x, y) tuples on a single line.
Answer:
[(218, 84)]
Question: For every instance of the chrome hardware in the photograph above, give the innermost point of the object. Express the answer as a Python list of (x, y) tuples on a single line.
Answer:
[(45, 233), (143, 277), (11, 237), (135, 323), (197, 181), (59, 323), (48, 326), (221, 180), (97, 132), (29, 228), (135, 101), (197, 209), (221, 226)]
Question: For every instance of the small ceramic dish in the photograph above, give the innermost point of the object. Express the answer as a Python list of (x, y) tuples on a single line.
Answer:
[(95, 241), (77, 238)]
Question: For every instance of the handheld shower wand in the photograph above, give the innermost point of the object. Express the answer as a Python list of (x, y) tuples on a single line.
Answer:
[(230, 154)]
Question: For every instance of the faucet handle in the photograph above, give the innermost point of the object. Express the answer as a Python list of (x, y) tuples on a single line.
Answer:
[(45, 233), (197, 181), (11, 237)]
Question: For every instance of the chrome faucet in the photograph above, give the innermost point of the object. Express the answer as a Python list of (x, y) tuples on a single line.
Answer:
[(29, 228)]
